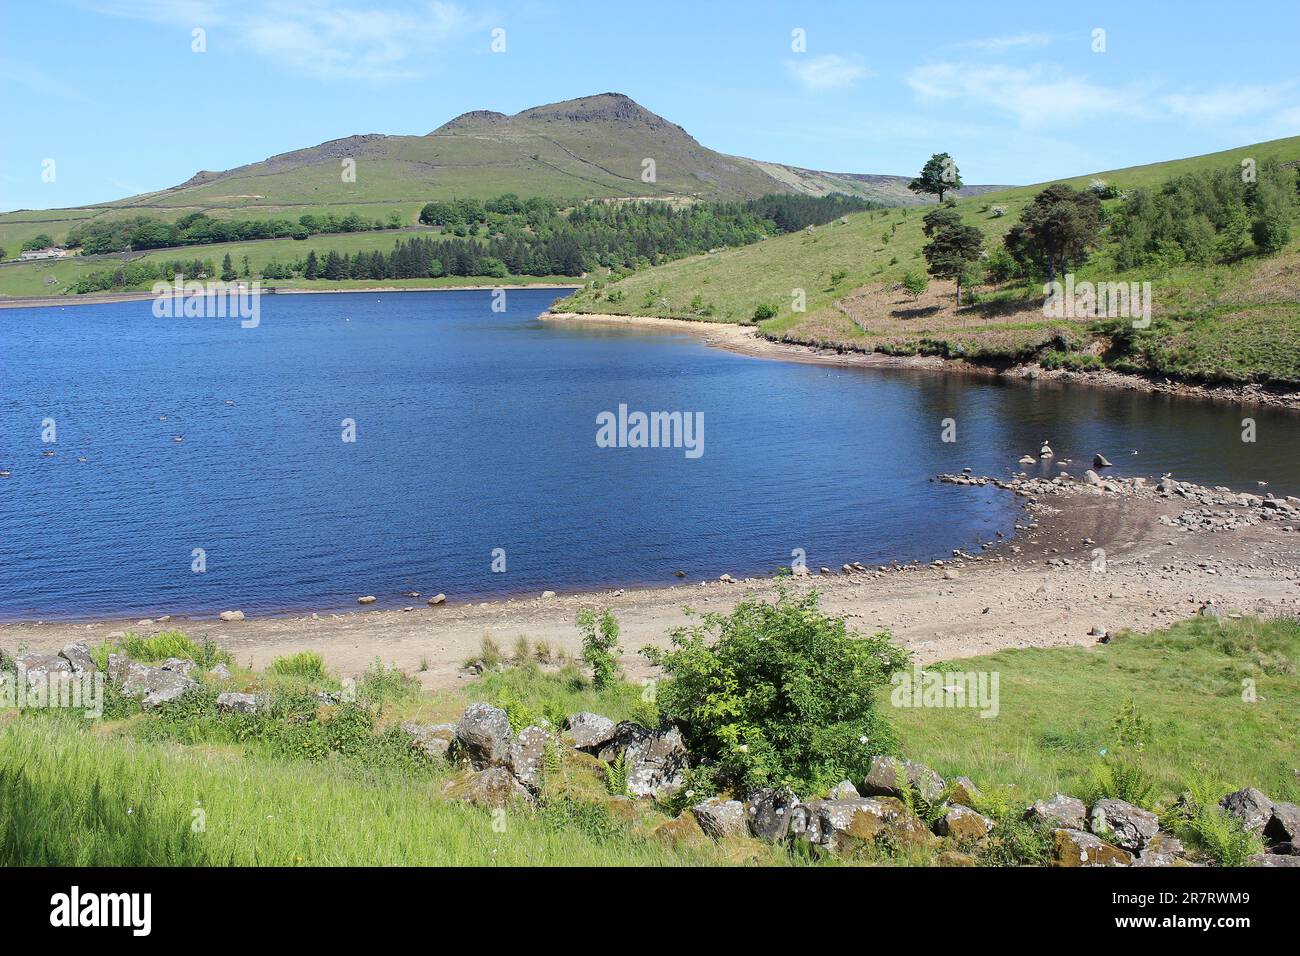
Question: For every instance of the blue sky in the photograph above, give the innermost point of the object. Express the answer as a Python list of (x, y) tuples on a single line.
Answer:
[(113, 92)]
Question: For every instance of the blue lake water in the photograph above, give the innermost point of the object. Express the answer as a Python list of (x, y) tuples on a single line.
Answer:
[(476, 430)]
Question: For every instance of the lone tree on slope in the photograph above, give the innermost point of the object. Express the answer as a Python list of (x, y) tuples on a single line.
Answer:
[(938, 176), (953, 248)]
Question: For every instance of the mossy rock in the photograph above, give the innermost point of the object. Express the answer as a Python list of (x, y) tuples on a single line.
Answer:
[(681, 831)]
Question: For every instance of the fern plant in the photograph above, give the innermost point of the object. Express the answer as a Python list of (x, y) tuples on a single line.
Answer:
[(616, 775)]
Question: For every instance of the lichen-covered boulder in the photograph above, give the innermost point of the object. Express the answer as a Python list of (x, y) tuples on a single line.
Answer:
[(886, 776), (721, 818), (767, 812), (588, 731), (492, 788), (656, 760), (1251, 807), (1283, 827), (178, 665), (844, 790), (433, 740), (1077, 848), (232, 703), (1059, 810), (40, 667), (964, 792), (955, 858), (963, 824), (683, 830), (528, 756), (79, 659), (153, 685), (842, 825), (1273, 859), (1163, 849), (1123, 824), (483, 736)]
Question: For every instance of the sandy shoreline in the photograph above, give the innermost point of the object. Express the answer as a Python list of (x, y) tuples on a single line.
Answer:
[(1038, 589)]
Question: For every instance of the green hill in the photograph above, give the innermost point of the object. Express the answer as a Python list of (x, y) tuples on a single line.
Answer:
[(1234, 321), (592, 147)]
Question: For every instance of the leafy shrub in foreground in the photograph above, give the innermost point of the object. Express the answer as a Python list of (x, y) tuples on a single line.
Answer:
[(778, 694), (600, 647)]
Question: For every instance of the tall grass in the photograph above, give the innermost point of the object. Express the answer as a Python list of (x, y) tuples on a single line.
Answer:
[(159, 647), (69, 797), (307, 665)]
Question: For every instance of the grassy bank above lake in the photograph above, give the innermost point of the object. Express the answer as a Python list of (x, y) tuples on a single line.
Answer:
[(1143, 718), (1233, 320)]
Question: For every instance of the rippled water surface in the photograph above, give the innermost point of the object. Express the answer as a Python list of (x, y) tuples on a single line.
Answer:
[(475, 430)]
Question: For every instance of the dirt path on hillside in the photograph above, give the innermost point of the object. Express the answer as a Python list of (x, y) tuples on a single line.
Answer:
[(1007, 596)]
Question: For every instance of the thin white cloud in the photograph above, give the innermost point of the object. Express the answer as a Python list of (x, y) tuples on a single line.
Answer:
[(1227, 104), (1036, 96), (829, 71), (33, 78), (328, 39), (1010, 42)]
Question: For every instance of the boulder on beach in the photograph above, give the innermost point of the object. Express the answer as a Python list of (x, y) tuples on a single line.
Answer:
[(436, 600), (368, 599), (232, 615)]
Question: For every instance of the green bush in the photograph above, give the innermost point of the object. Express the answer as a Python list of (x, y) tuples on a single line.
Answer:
[(600, 648), (765, 311), (915, 283), (778, 694)]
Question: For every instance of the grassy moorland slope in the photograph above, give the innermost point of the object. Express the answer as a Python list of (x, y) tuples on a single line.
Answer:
[(1231, 321), (593, 147)]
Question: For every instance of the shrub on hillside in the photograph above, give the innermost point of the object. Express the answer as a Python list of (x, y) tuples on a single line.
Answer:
[(778, 694), (915, 283)]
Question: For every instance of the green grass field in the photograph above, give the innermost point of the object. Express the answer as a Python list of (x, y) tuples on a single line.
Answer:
[(1060, 710), (188, 789)]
